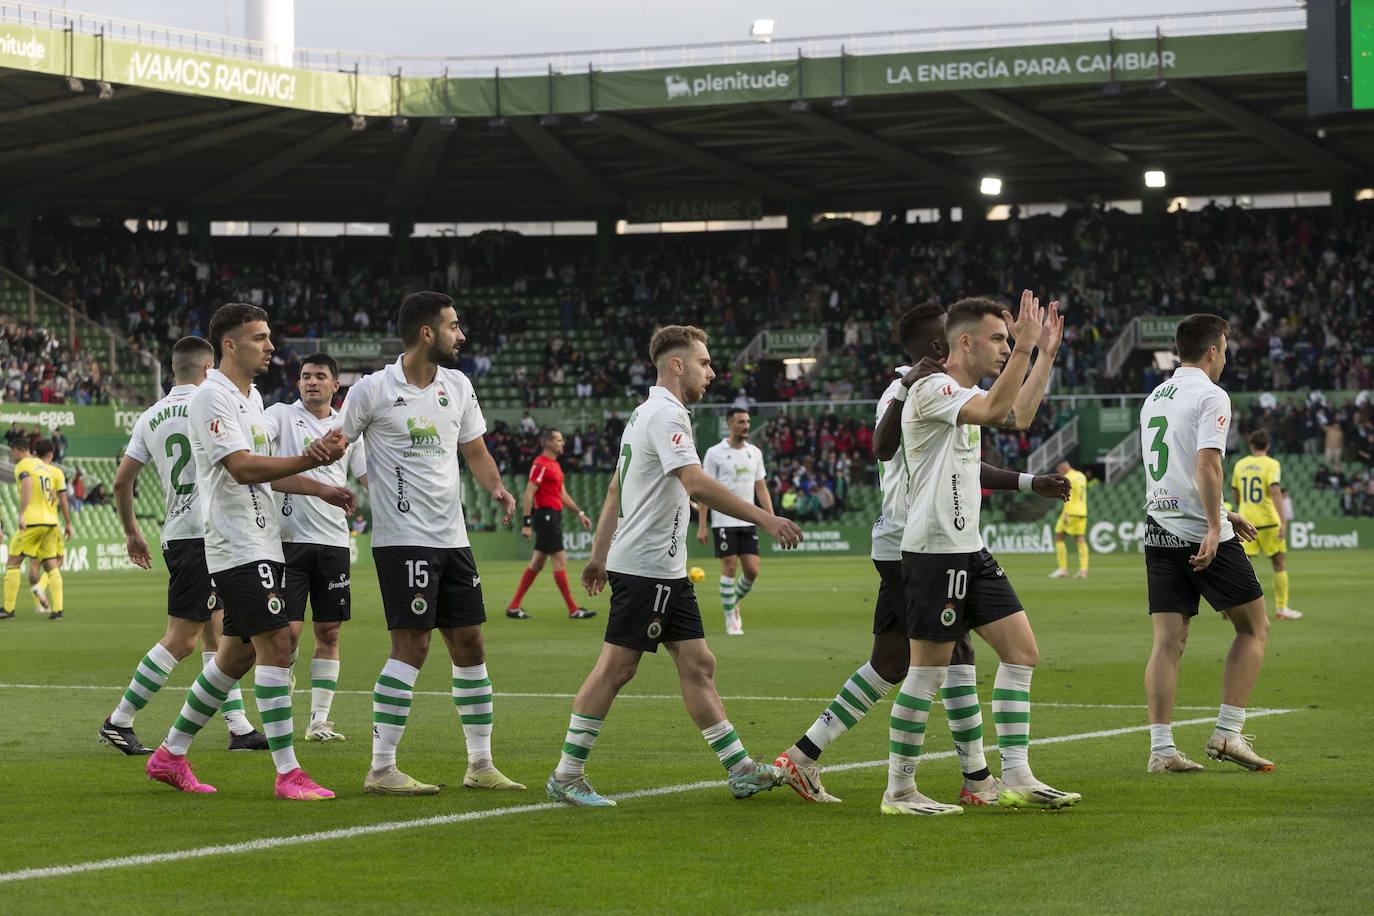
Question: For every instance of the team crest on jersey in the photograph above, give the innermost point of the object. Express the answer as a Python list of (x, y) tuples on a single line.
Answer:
[(419, 605), (211, 601), (947, 615), (655, 629), (443, 398), (274, 604)]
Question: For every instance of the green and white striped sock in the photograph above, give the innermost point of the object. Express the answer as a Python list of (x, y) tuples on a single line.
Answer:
[(727, 593), (472, 698), (203, 700), (149, 677), (729, 748), (907, 725), (232, 710), (864, 688), (743, 586), (577, 747), (272, 690), (324, 680), (965, 716), (391, 699), (1011, 717)]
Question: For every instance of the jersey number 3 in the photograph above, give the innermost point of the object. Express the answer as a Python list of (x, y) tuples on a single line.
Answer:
[(1160, 448)]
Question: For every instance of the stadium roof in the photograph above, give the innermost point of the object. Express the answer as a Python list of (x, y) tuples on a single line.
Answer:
[(1220, 114)]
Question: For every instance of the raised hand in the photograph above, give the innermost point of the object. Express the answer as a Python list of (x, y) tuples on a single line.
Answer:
[(1052, 331), (1029, 319)]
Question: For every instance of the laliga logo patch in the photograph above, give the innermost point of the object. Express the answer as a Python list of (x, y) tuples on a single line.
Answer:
[(947, 615), (419, 605), (947, 391), (655, 629), (274, 604), (1221, 422)]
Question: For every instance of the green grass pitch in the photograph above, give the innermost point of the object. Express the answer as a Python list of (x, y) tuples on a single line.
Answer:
[(1225, 840)]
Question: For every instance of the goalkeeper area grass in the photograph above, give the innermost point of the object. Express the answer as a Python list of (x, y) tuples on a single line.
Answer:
[(85, 830)]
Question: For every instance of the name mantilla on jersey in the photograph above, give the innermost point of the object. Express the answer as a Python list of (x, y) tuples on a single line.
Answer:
[(167, 413)]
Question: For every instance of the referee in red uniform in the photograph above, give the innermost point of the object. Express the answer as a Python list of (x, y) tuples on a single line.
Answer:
[(545, 523)]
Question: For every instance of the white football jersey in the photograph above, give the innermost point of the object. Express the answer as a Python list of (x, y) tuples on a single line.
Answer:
[(309, 519), (943, 459), (412, 437), (650, 539), (160, 439), (1182, 415), (887, 530), (737, 469), (240, 519)]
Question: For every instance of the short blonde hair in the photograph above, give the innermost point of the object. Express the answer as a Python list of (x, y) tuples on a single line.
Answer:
[(672, 337)]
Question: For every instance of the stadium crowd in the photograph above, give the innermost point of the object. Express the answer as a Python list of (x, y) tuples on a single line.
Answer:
[(39, 369)]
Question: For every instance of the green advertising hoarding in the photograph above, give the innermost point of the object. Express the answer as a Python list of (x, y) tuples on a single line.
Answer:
[(53, 51), (91, 431)]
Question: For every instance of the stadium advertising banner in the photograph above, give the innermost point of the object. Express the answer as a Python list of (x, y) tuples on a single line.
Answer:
[(92, 554), (92, 431), (1083, 63)]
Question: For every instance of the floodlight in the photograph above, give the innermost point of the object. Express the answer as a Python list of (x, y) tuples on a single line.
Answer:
[(105, 89), (357, 122), (990, 186), (75, 84), (1155, 178), (762, 30)]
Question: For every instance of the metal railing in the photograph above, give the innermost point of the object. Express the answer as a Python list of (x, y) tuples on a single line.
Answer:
[(1064, 440), (1121, 349), (1199, 22), (1123, 457)]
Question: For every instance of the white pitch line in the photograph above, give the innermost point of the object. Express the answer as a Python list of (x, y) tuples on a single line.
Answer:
[(742, 698), (348, 833)]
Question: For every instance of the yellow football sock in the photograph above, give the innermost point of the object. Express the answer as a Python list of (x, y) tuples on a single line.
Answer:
[(1061, 553), (12, 575), (55, 589), (1281, 588), (43, 580), (1082, 555)]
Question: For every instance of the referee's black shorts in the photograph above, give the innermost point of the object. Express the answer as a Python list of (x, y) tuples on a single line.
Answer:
[(548, 530)]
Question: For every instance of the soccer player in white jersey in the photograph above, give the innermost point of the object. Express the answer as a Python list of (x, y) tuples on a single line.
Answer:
[(315, 534), (415, 417), (640, 548), (921, 331), (193, 609), (952, 583), (736, 464), (1191, 547), (243, 553)]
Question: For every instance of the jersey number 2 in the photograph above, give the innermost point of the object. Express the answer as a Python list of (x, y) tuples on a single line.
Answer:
[(179, 447)]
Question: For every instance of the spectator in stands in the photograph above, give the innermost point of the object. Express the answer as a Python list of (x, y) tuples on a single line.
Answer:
[(78, 489)]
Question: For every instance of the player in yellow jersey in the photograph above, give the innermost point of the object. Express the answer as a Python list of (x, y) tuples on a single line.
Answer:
[(48, 587), (1260, 499), (1073, 520), (36, 518)]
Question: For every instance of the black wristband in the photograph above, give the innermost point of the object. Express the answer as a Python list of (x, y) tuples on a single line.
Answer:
[(529, 520)]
